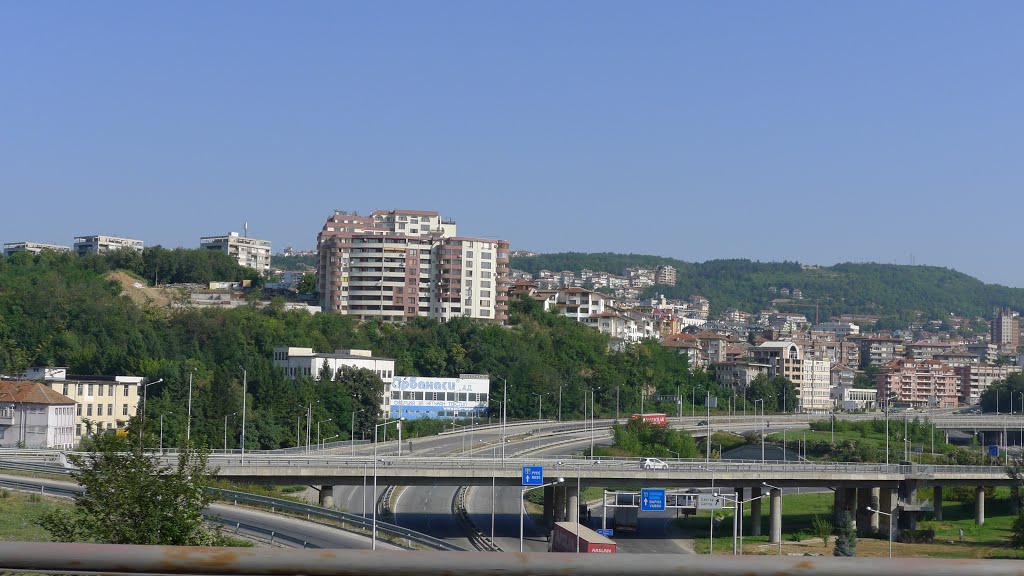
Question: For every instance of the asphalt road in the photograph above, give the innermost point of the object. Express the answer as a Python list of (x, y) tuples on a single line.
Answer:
[(311, 532)]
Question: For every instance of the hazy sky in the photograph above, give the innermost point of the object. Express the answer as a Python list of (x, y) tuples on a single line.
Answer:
[(812, 131)]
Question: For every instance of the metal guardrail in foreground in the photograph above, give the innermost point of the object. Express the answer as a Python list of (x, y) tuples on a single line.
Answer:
[(121, 559)]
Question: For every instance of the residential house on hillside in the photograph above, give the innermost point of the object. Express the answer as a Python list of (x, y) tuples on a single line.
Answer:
[(33, 416)]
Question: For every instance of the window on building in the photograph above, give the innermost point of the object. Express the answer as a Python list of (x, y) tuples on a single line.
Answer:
[(78, 429), (485, 283), (485, 255), (78, 409), (88, 410), (65, 390), (124, 409), (110, 390), (89, 390), (126, 390), (79, 389), (485, 265), (99, 391), (110, 409)]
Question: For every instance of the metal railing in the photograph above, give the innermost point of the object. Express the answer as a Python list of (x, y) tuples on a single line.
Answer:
[(351, 522), (145, 560)]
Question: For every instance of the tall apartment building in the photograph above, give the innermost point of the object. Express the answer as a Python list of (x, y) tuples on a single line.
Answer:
[(33, 247), (976, 378), (401, 264), (103, 244), (1006, 329), (665, 274), (922, 383), (249, 252)]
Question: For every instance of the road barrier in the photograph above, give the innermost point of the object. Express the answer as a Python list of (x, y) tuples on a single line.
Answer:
[(476, 537)]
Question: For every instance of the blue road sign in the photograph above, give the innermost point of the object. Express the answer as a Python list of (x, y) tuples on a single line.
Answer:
[(606, 532), (993, 450), (533, 475), (652, 500)]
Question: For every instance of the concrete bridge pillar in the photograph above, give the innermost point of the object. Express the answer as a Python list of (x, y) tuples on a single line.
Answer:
[(327, 496), (850, 501), (775, 532), (559, 508), (979, 505), (866, 498), (549, 506), (890, 504), (573, 511), (838, 503), (937, 502), (755, 511)]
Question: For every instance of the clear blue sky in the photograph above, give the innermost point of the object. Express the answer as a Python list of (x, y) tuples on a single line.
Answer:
[(812, 131)]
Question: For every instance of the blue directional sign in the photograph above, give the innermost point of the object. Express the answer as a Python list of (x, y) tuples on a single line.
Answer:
[(993, 450), (533, 475), (606, 532), (652, 500)]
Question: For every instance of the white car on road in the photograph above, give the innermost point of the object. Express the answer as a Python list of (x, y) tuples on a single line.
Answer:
[(653, 464)]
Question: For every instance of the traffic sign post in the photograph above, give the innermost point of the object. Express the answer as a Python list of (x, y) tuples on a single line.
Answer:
[(993, 450), (533, 475), (709, 502), (652, 500)]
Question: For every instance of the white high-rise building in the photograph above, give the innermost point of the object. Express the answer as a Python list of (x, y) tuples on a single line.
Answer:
[(400, 264), (249, 252), (103, 244)]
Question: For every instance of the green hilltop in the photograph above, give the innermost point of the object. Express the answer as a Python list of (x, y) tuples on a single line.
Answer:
[(895, 292)]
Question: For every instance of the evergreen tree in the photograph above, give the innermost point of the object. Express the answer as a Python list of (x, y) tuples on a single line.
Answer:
[(846, 539)]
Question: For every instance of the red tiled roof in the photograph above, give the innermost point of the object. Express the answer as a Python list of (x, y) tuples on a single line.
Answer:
[(24, 391)]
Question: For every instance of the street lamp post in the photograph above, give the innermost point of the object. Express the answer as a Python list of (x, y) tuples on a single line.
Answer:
[(162, 431), (352, 434), (737, 517), (494, 456), (762, 425), (592, 410), (617, 403), (522, 506), (373, 540), (226, 430), (188, 425), (711, 527), (504, 417), (540, 404), (870, 509), (319, 444), (145, 389), (767, 485), (245, 392)]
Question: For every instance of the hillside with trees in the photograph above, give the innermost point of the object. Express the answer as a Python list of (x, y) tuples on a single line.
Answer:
[(61, 310), (895, 292)]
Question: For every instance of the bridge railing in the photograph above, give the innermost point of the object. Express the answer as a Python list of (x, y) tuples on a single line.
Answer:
[(34, 557)]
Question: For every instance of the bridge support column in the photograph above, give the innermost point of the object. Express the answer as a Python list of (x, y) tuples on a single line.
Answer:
[(755, 511), (876, 497), (574, 504), (559, 503), (890, 504), (775, 532), (937, 502), (327, 496), (865, 519), (549, 506), (850, 501), (979, 505)]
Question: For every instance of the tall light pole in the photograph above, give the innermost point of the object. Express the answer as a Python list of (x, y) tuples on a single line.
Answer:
[(762, 425), (504, 417), (245, 392), (352, 434), (494, 456), (145, 389), (617, 403), (679, 402), (522, 506), (318, 422), (870, 509), (592, 410), (226, 430), (162, 430), (540, 404), (560, 385), (188, 425), (373, 544), (711, 528)]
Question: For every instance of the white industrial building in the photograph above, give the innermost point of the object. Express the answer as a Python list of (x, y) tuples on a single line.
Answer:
[(33, 416), (249, 252), (297, 362), (414, 397), (103, 244)]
